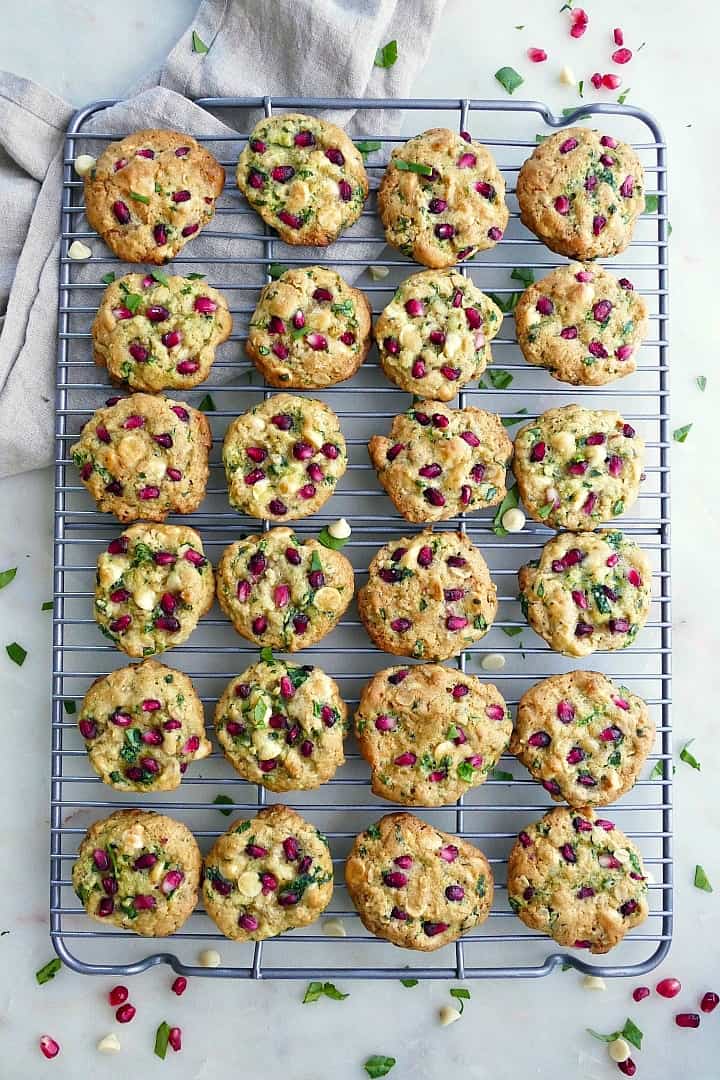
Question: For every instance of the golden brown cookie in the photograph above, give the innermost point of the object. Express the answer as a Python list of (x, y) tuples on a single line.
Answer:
[(416, 886)]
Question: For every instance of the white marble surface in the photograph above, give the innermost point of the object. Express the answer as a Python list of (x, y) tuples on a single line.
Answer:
[(84, 50)]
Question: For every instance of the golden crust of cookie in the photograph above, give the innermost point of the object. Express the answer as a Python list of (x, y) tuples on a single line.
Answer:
[(434, 335), (282, 726), (582, 324), (283, 458), (309, 330), (577, 878), (140, 871), (589, 591), (268, 874), (152, 192), (159, 332), (584, 738), (438, 462), (430, 734), (428, 596), (304, 176), (416, 886), (142, 726), (442, 199), (153, 584), (581, 193), (578, 467), (145, 457), (281, 592)]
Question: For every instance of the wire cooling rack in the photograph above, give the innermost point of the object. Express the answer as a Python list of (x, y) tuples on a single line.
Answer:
[(489, 816)]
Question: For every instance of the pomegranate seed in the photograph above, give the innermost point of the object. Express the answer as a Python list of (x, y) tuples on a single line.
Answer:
[(621, 56), (125, 1013), (596, 80), (618, 37), (121, 212), (175, 1035), (688, 1020), (627, 1067), (579, 22), (709, 1001), (118, 995), (537, 55), (49, 1047), (640, 993), (611, 82), (668, 988)]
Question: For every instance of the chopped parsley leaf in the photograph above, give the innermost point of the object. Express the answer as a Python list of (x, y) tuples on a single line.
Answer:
[(461, 995), (223, 800), (6, 576), (413, 166), (48, 972), (207, 404), (688, 757), (387, 55), (378, 1065), (680, 434), (701, 881), (509, 79), (198, 46), (16, 653)]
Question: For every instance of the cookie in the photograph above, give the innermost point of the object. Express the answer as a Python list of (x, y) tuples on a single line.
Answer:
[(584, 738), (281, 592), (140, 871), (429, 596), (142, 726), (148, 194), (159, 332), (416, 886), (304, 176), (434, 336), (430, 734), (283, 458), (282, 726), (578, 879), (582, 324), (442, 199), (581, 193), (438, 462), (153, 584), (578, 467), (588, 591), (266, 875), (310, 329)]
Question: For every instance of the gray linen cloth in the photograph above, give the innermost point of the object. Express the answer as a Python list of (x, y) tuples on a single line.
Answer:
[(319, 48)]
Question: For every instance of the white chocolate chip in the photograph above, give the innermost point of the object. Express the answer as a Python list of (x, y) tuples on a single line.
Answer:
[(78, 250), (593, 982), (256, 423), (442, 749), (249, 883), (453, 344), (209, 958), (339, 530), (494, 661), (567, 77), (622, 855), (618, 1050), (144, 598), (327, 599), (110, 1044), (334, 928), (513, 520), (448, 1015), (133, 839), (83, 164), (378, 273)]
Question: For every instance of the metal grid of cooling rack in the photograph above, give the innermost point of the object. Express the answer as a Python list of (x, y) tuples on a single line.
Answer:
[(490, 815)]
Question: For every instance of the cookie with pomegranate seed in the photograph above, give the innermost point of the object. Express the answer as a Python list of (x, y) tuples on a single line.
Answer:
[(281, 592), (150, 193), (282, 726), (416, 886), (309, 330), (145, 457), (442, 199), (438, 462), (158, 332), (581, 193), (266, 875), (582, 324), (428, 596), (578, 879), (434, 335), (142, 726), (283, 458), (582, 737), (430, 734), (140, 871), (153, 584), (588, 591), (578, 467), (304, 176)]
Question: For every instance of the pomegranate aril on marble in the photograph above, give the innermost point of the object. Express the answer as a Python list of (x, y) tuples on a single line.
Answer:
[(688, 1020), (49, 1047), (125, 1013), (669, 987)]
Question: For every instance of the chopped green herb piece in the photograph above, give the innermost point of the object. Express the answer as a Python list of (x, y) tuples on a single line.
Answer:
[(688, 757), (195, 277), (69, 707), (510, 421), (500, 379), (409, 982), (378, 1065), (701, 880), (680, 434), (207, 404), (701, 383), (162, 1036), (657, 772), (623, 97), (332, 542), (520, 27), (45, 974), (462, 995), (581, 84), (132, 301), (7, 576), (524, 274), (198, 46), (276, 270), (387, 55), (368, 146), (500, 774), (509, 79), (512, 631), (413, 166), (651, 204), (48, 605), (107, 279), (266, 654), (159, 276), (316, 990), (139, 198), (315, 564), (565, 966), (510, 501), (507, 304), (630, 1031), (16, 653), (223, 800), (572, 109)]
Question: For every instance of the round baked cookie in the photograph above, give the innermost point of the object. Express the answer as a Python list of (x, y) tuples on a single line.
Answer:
[(584, 738), (158, 332), (304, 176), (438, 462), (281, 592), (266, 875), (582, 324), (442, 199), (148, 194), (145, 457), (578, 879), (282, 726), (416, 886), (581, 192), (153, 584), (430, 734), (429, 596), (310, 329), (434, 335), (140, 871), (578, 467), (588, 591), (283, 458)]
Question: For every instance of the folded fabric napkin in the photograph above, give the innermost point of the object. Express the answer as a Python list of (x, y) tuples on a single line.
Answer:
[(319, 48)]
